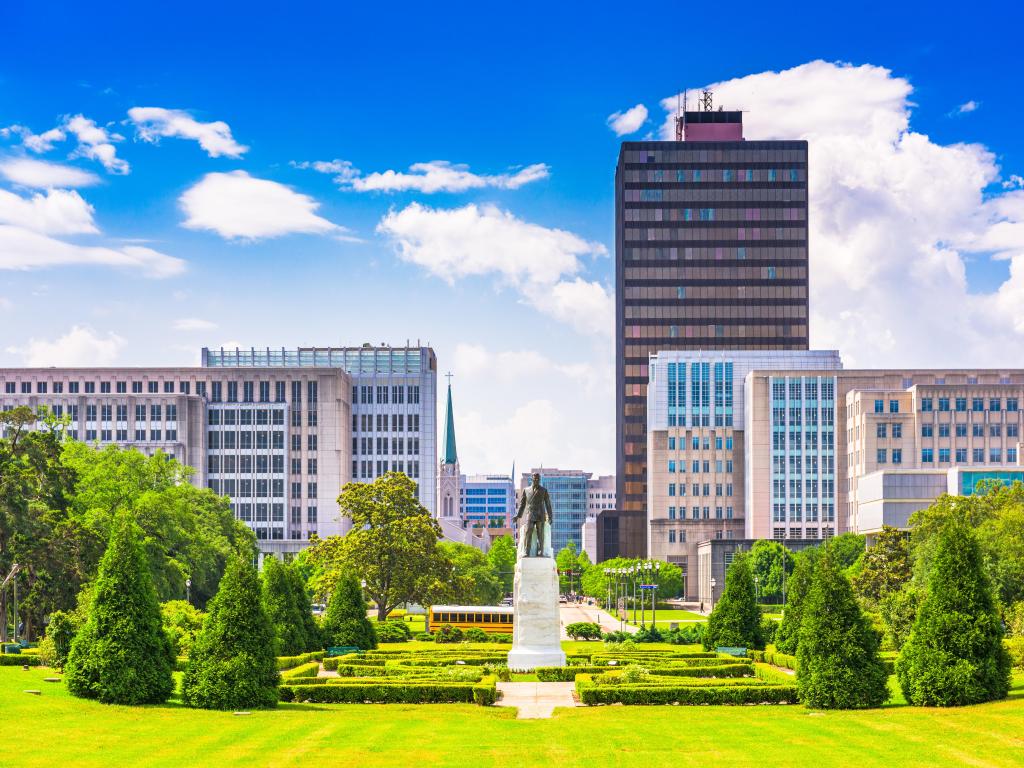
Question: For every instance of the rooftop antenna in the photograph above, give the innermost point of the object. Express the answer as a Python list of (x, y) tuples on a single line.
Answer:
[(680, 116), (705, 101)]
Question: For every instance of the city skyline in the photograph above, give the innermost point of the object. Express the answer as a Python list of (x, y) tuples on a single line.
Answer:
[(213, 221)]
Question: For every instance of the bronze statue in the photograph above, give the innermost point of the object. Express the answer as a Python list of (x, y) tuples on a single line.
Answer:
[(536, 504)]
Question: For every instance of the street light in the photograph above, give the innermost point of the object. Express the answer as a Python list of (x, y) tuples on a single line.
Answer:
[(188, 590), (713, 585), (608, 602), (654, 595), (757, 581)]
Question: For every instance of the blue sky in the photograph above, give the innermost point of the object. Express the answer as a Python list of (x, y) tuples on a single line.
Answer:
[(509, 279)]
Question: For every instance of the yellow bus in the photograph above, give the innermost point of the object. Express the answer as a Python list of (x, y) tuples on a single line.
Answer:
[(495, 619)]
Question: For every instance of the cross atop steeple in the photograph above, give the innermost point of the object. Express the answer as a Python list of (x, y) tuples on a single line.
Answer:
[(449, 377)]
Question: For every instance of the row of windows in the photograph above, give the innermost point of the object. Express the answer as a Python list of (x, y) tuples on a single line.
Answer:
[(802, 390), (247, 464), (700, 466), (701, 443), (701, 489), (686, 234), (995, 455), (779, 330), (247, 416), (783, 253), (649, 215), (803, 512), (121, 435), (89, 387), (701, 513), (700, 314), (977, 430), (363, 469), (798, 488), (396, 394), (807, 533), (247, 440), (808, 465), (398, 445), (399, 422), (960, 404), (811, 440), (108, 413)]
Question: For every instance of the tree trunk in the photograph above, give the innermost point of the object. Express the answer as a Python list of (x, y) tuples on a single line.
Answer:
[(382, 612), (3, 617)]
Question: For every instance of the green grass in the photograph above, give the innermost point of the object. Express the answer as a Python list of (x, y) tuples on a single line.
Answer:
[(55, 729)]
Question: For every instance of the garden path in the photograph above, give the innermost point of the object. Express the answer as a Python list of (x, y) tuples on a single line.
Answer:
[(536, 700)]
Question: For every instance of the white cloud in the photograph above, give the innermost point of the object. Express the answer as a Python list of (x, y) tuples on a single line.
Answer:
[(966, 107), (58, 212), (78, 347), (152, 123), (1016, 181), (42, 142), (42, 175), (894, 219), (430, 177), (541, 263), (237, 205), (23, 249), (627, 122), (96, 143), (193, 324)]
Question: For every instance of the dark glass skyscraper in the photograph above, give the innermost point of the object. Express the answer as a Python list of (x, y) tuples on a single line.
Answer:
[(710, 253)]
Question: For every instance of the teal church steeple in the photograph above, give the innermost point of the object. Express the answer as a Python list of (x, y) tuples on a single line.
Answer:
[(451, 455)]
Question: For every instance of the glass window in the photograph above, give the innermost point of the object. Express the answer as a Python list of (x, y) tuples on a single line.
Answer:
[(880, 431), (880, 456), (897, 455), (897, 430), (927, 456), (926, 404), (879, 406)]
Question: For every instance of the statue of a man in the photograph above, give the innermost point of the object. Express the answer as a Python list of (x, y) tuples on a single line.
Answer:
[(535, 503)]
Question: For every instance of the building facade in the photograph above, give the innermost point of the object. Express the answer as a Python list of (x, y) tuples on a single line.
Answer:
[(696, 445), (600, 494), (275, 441), (488, 501), (394, 404), (568, 491), (711, 253)]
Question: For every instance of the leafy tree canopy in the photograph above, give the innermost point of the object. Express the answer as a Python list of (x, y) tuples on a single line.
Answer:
[(735, 620), (769, 559), (884, 566)]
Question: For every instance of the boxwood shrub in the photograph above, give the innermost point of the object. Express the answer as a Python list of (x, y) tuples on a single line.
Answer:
[(18, 660), (568, 674), (287, 662), (592, 694), (384, 692), (303, 670)]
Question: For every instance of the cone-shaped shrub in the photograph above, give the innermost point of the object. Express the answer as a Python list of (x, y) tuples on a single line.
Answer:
[(311, 630), (345, 621), (232, 664), (955, 653), (838, 666), (121, 655), (282, 610), (787, 636), (736, 619)]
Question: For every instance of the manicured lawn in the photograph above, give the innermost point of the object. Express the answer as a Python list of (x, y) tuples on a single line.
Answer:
[(55, 729)]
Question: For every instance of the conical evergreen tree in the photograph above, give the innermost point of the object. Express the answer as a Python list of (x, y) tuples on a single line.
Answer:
[(787, 637), (736, 619), (311, 630), (121, 655), (955, 653), (282, 610), (345, 621), (838, 666), (232, 664)]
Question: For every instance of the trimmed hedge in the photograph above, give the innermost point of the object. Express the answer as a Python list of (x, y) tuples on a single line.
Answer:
[(386, 692), (287, 662), (19, 660), (303, 670), (789, 662), (592, 694), (568, 674)]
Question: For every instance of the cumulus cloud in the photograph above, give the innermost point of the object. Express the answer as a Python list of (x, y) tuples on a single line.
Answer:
[(154, 123), (58, 212), (24, 249), (41, 142), (193, 324), (627, 122), (541, 262), (96, 143), (78, 347), (430, 177), (895, 219), (236, 205), (1016, 181), (966, 107), (39, 174)]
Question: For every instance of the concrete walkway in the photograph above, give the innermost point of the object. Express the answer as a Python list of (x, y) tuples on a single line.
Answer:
[(572, 613), (535, 700)]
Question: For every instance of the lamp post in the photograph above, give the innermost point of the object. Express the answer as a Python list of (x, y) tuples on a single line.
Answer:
[(634, 573), (188, 590), (622, 597), (608, 583), (757, 581), (654, 595), (713, 585)]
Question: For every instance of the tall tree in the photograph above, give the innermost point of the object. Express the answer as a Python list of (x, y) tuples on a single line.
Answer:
[(392, 545), (313, 639), (884, 566), (502, 557), (121, 655), (232, 664), (345, 621), (846, 548), (787, 636), (955, 653), (569, 570), (771, 563), (474, 581), (282, 609), (736, 618), (838, 666)]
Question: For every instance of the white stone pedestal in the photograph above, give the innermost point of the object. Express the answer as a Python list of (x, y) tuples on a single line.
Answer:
[(536, 633)]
